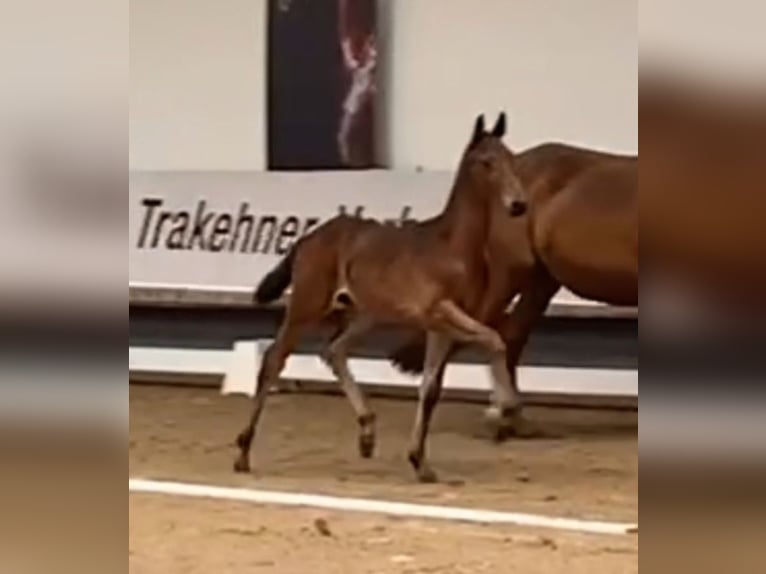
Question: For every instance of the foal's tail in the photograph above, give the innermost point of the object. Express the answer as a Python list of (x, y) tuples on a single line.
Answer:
[(410, 357), (277, 280)]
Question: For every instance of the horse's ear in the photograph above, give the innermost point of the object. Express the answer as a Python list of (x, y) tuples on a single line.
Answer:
[(478, 129), (499, 130)]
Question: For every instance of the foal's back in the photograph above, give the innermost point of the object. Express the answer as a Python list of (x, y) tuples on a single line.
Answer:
[(402, 267)]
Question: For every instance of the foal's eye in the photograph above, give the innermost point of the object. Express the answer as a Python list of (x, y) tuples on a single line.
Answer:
[(487, 163)]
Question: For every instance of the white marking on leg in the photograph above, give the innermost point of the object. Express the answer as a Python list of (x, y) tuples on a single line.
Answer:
[(504, 394)]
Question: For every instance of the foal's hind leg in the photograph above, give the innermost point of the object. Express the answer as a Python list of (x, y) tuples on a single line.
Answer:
[(273, 362), (438, 346), (336, 357), (465, 328)]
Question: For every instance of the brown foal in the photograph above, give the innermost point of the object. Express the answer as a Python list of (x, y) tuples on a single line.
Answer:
[(430, 276)]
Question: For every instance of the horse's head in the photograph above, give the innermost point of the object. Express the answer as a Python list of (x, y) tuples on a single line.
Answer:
[(489, 163)]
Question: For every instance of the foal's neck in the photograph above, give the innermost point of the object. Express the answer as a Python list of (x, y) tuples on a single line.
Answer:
[(464, 223)]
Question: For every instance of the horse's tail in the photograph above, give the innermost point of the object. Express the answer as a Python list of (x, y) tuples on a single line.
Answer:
[(277, 280)]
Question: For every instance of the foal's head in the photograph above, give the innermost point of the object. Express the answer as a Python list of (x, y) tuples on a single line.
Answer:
[(489, 165)]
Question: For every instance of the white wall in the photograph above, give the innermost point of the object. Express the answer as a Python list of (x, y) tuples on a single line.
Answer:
[(563, 69), (197, 84)]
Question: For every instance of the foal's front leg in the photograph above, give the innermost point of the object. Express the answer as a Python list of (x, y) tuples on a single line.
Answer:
[(438, 346), (504, 412), (465, 328)]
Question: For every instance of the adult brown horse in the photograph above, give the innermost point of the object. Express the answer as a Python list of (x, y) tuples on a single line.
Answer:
[(703, 204), (429, 276), (580, 232)]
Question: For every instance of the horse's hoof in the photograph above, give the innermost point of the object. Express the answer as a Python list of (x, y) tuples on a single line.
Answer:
[(508, 425), (241, 465), (366, 445), (427, 476)]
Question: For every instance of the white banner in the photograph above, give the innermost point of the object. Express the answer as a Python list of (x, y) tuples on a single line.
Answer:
[(225, 230), (228, 229)]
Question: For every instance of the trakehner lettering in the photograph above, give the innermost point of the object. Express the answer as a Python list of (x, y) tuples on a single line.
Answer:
[(207, 229)]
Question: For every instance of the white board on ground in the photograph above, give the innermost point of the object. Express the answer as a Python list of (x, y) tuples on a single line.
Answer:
[(240, 377)]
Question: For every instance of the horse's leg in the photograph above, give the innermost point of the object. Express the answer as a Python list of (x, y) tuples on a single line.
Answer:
[(437, 350), (336, 357), (515, 328), (271, 366)]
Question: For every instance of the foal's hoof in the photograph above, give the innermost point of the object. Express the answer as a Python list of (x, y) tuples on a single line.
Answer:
[(517, 429), (243, 441), (241, 465), (502, 433), (366, 445), (424, 472)]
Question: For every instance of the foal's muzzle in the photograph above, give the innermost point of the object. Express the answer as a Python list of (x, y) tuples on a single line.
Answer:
[(517, 208)]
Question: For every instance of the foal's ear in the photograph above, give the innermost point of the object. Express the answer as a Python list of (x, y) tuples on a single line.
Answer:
[(499, 130), (478, 129)]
